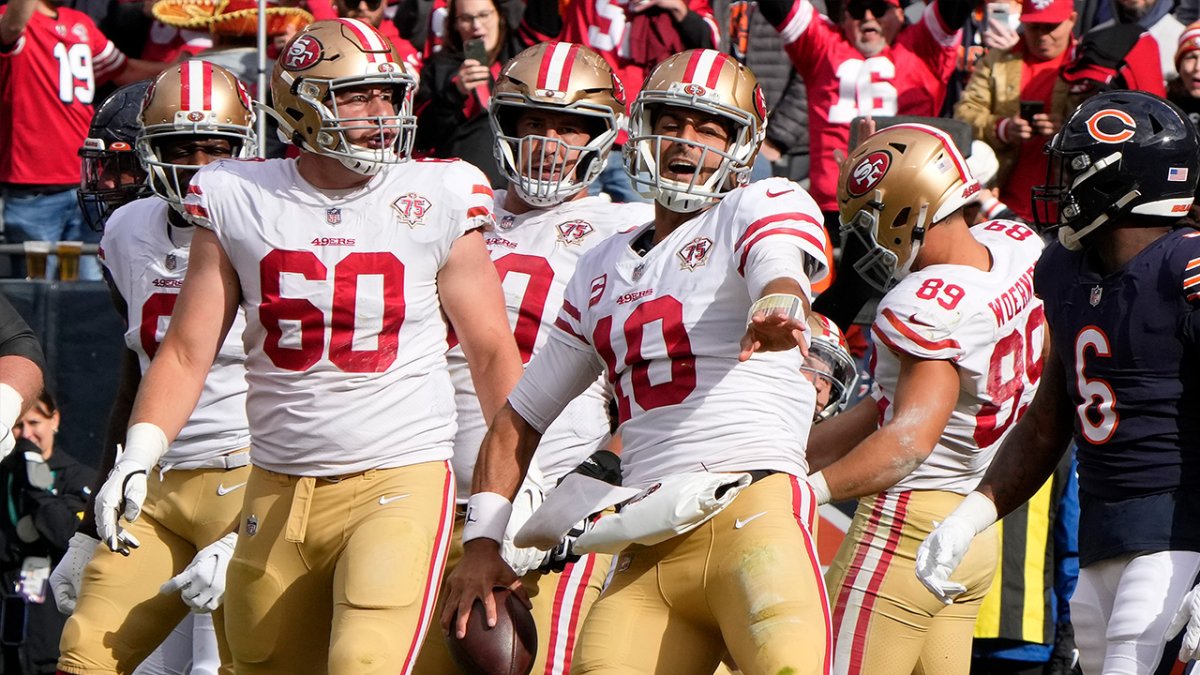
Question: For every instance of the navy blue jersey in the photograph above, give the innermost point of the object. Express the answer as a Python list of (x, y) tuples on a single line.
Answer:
[(1128, 344)]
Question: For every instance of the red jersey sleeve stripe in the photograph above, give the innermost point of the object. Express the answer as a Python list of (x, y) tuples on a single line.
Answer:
[(771, 220), (476, 211), (482, 190), (916, 337), (196, 210), (808, 238), (566, 328), (570, 309)]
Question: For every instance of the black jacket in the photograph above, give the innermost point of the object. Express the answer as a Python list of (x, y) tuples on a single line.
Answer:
[(53, 513)]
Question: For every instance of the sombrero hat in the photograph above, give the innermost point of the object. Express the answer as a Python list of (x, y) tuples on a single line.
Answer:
[(229, 17)]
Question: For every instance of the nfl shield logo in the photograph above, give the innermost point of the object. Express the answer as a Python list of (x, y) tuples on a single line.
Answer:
[(333, 216), (251, 526), (1094, 299), (172, 262)]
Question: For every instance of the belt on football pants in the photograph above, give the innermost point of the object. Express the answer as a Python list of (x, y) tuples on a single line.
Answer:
[(302, 497), (233, 460)]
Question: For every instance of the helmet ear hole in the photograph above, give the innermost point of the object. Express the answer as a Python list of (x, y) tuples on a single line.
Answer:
[(901, 219)]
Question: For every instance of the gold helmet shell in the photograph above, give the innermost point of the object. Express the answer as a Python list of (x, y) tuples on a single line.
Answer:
[(194, 98), (336, 54), (559, 77), (893, 187), (710, 82)]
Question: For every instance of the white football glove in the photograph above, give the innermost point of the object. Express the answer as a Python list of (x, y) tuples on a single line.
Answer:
[(521, 560), (124, 490), (1187, 619), (942, 551), (67, 576), (201, 584)]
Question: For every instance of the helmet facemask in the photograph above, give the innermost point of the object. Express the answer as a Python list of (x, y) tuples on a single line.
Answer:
[(398, 130), (547, 171), (170, 180), (1057, 207), (834, 368), (108, 180), (881, 266), (644, 152)]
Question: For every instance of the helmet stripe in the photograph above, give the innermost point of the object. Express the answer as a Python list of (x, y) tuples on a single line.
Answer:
[(704, 66), (195, 84), (554, 72), (376, 50), (947, 143)]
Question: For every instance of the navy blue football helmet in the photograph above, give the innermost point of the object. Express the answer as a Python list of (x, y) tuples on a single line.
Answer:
[(1120, 153), (111, 174)]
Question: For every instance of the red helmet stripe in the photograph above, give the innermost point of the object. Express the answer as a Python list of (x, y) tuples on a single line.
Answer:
[(376, 50), (544, 66), (689, 73), (947, 143), (554, 72), (572, 54), (195, 85), (714, 71)]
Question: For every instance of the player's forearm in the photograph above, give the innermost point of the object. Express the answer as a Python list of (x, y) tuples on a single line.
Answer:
[(834, 438), (495, 373), (1027, 458), (14, 20), (24, 376), (505, 454), (879, 462), (170, 389)]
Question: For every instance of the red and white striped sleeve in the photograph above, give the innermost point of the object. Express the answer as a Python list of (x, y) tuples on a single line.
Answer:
[(913, 329), (107, 60), (779, 221)]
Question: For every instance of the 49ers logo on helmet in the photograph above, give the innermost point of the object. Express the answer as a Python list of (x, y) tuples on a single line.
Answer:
[(868, 172), (694, 90), (304, 53)]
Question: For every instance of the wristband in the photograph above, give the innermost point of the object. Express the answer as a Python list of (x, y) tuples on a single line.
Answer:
[(145, 444), (487, 517), (977, 510), (791, 305), (10, 407), (819, 487)]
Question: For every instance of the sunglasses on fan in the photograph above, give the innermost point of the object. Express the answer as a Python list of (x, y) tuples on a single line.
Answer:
[(858, 8)]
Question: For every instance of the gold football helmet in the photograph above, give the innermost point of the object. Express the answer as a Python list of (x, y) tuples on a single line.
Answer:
[(710, 82), (829, 360), (194, 98), (895, 184), (337, 54), (556, 77)]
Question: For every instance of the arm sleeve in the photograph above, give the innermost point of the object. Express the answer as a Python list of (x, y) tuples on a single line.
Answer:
[(17, 338), (780, 215), (917, 330), (561, 370)]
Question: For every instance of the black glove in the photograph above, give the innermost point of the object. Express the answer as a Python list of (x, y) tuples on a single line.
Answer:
[(1064, 660), (601, 465)]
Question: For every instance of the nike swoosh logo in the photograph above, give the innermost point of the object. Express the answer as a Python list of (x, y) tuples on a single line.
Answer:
[(778, 194), (740, 523), (384, 501), (222, 490)]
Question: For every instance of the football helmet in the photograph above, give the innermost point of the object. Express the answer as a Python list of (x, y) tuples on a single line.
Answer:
[(829, 359), (558, 77), (111, 174), (710, 82), (1121, 152), (193, 99), (892, 188), (328, 56)]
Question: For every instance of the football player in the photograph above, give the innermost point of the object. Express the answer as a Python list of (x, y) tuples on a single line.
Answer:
[(344, 260), (695, 318), (192, 114), (960, 339), (555, 110), (1120, 291), (112, 175)]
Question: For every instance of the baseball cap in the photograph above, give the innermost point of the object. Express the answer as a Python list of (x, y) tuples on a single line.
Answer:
[(1189, 41), (1046, 11)]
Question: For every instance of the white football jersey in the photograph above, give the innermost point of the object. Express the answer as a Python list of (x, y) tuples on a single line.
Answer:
[(667, 328), (535, 254), (345, 340), (147, 260), (990, 326)]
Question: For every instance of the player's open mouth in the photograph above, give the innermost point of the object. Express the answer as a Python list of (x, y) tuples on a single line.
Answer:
[(682, 167)]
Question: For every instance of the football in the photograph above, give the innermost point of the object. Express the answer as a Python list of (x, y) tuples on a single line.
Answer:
[(506, 649)]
